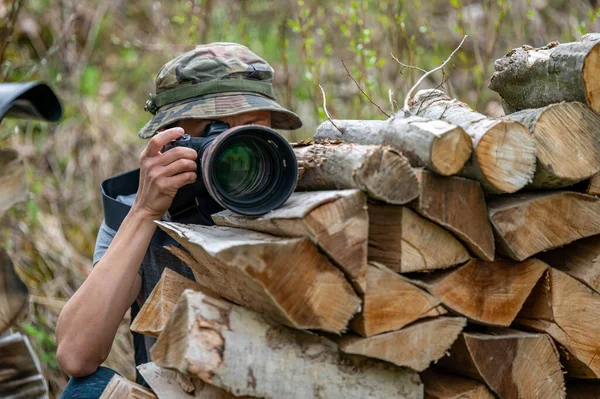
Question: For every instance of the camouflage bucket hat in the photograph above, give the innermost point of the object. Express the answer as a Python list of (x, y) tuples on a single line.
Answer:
[(215, 80)]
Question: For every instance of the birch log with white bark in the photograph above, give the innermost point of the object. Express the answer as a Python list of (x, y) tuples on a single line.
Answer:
[(436, 145), (240, 351), (287, 279), (380, 171), (336, 221), (567, 142), (503, 158), (20, 370), (13, 188), (530, 77)]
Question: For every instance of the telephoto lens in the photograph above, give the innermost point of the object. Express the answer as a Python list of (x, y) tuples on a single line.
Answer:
[(248, 169)]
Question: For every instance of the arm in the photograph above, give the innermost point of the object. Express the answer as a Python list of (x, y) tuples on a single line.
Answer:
[(89, 321)]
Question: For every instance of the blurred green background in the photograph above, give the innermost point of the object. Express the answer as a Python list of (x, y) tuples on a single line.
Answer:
[(102, 57)]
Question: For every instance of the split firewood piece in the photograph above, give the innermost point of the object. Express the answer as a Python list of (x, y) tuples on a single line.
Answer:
[(415, 346), (513, 364), (503, 158), (287, 279), (240, 351), (13, 188), (20, 371), (566, 141), (434, 144), (13, 293), (530, 77), (458, 205), (579, 260), (578, 389), (566, 309), (449, 386), (336, 221), (158, 306), (406, 242), (526, 224), (169, 384), (391, 302), (119, 387), (593, 187), (380, 171), (490, 293)]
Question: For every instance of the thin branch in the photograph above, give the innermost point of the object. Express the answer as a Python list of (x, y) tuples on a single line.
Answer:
[(362, 91), (390, 92), (326, 112), (429, 73), (445, 78), (407, 66)]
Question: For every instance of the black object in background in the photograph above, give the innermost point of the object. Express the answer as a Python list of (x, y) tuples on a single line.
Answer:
[(30, 100)]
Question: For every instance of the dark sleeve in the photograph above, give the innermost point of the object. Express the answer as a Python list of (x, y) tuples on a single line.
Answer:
[(103, 240)]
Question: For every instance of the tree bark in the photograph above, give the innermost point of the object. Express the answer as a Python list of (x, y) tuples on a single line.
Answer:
[(565, 309), (415, 346), (526, 224), (436, 145), (530, 77), (448, 386), (152, 317), (336, 221), (13, 188), (287, 279), (566, 142), (513, 364), (13, 294), (503, 158), (405, 242), (119, 387), (392, 302), (241, 352), (489, 293), (458, 205), (20, 371), (382, 172)]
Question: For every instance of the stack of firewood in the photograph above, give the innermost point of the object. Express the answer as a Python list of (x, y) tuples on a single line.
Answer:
[(20, 371), (440, 254)]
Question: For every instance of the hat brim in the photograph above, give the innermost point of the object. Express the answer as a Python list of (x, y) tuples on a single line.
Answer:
[(221, 105)]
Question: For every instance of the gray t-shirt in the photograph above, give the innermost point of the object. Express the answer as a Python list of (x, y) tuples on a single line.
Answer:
[(155, 261)]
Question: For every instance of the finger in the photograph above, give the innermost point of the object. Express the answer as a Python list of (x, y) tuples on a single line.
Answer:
[(176, 153), (180, 166), (159, 140), (183, 179)]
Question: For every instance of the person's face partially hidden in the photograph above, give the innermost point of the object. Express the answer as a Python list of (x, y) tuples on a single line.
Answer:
[(194, 127)]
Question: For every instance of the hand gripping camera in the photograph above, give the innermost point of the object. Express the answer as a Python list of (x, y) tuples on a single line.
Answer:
[(250, 170)]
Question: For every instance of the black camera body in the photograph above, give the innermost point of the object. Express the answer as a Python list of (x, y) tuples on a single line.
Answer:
[(248, 169)]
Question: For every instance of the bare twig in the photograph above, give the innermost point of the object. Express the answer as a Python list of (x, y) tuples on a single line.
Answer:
[(429, 73), (407, 66), (327, 112), (7, 31), (390, 92), (444, 80), (362, 91)]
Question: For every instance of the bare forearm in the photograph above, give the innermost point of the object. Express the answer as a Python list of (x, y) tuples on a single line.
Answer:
[(89, 321)]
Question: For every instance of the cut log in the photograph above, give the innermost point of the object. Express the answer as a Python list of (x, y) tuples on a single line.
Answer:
[(490, 293), (20, 371), (566, 141), (458, 205), (503, 158), (415, 346), (119, 388), (336, 221), (14, 296), (530, 77), (448, 386), (436, 145), (240, 351), (381, 172), (152, 317), (513, 364), (583, 389), (593, 187), (170, 384), (566, 309), (406, 242), (525, 224), (13, 188), (287, 279), (580, 259), (392, 302)]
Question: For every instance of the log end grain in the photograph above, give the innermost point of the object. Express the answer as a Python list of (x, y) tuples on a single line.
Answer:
[(450, 152), (591, 82)]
